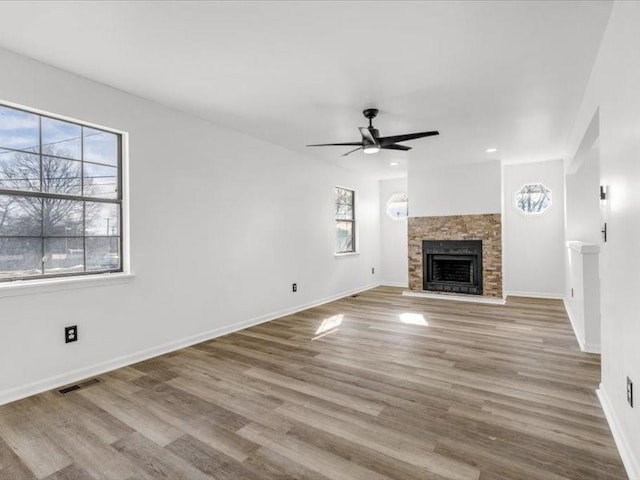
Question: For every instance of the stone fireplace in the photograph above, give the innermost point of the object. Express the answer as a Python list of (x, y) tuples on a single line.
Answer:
[(456, 254)]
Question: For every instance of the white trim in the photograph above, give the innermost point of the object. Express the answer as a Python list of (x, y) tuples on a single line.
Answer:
[(592, 348), (572, 320), (532, 214), (37, 283), (455, 297), (346, 254), (585, 347), (355, 224), (57, 381), (65, 118), (385, 283), (582, 247), (551, 296), (386, 206), (629, 459), (46, 285)]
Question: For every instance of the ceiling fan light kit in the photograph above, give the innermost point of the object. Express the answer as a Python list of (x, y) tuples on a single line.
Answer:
[(372, 142), (370, 149)]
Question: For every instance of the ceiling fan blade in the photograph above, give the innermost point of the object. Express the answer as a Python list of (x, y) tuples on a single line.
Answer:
[(347, 144), (351, 151), (395, 146), (403, 138), (366, 135)]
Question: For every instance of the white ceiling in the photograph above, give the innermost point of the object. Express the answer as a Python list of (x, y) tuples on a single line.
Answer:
[(486, 74)]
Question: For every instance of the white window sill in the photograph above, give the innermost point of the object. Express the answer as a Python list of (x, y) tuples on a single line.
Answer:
[(45, 285), (346, 254)]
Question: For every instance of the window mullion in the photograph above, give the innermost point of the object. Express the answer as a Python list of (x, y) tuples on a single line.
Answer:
[(54, 206)]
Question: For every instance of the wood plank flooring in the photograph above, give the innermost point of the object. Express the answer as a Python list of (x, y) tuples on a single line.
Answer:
[(371, 387)]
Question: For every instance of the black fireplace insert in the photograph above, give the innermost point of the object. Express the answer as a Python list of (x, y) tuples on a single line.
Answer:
[(452, 266)]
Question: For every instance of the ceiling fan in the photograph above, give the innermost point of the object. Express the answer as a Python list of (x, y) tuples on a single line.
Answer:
[(371, 141)]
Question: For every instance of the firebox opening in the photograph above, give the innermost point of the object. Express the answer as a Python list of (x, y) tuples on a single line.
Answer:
[(452, 266)]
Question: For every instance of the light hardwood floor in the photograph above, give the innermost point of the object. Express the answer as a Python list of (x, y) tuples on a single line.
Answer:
[(376, 386)]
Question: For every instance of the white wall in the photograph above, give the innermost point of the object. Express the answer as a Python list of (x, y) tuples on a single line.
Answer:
[(582, 231), (461, 189), (582, 300), (394, 256), (534, 255), (614, 91), (221, 226), (583, 198)]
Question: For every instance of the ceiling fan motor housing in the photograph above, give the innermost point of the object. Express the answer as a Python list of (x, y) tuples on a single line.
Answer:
[(370, 113)]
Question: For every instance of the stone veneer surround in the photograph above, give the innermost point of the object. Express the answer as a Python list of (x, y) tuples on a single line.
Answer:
[(487, 227)]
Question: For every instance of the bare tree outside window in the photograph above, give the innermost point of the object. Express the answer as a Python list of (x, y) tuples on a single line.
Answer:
[(60, 200), (345, 220), (533, 198)]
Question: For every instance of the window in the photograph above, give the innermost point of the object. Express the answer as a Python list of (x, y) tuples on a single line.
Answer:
[(533, 198), (60, 197), (398, 206), (345, 220)]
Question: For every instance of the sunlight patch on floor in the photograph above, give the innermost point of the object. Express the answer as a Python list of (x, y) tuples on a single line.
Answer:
[(329, 325), (413, 319)]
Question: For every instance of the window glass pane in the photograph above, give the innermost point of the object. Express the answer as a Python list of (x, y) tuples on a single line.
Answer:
[(19, 171), (103, 253), (61, 176), (100, 181), (20, 216), (344, 239), (397, 206), (100, 147), (533, 198), (60, 139), (344, 204), (54, 158), (62, 218), (63, 255), (19, 130), (102, 219), (20, 257), (344, 212)]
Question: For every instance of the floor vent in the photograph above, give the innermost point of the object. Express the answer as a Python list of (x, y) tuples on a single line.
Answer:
[(78, 386), (354, 296)]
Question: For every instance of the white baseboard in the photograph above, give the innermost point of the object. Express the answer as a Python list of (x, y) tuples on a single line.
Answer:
[(592, 348), (552, 296), (572, 320), (455, 297), (630, 458), (394, 284), (585, 347), (13, 394)]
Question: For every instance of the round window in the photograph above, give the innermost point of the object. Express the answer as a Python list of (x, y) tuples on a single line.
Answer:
[(398, 206)]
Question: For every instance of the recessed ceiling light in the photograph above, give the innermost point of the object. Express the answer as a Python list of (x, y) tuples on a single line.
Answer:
[(393, 164), (491, 150)]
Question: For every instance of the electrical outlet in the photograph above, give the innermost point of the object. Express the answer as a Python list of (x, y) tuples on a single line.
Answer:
[(71, 334), (572, 292), (630, 392), (373, 270), (294, 287)]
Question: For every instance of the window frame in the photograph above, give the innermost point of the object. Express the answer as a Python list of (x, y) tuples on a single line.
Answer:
[(386, 206), (533, 214), (352, 220), (121, 199)]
